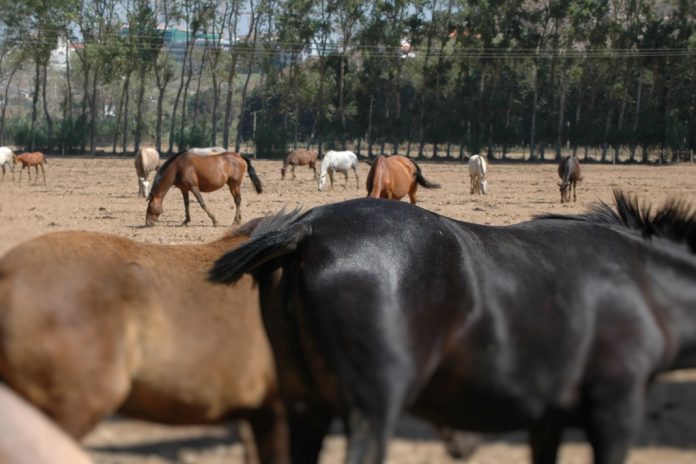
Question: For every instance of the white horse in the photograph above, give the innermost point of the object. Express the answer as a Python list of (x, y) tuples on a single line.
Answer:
[(478, 171), (146, 161), (338, 161), (206, 151), (7, 158)]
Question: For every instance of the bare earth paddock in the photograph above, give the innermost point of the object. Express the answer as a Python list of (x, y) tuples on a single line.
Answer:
[(100, 194)]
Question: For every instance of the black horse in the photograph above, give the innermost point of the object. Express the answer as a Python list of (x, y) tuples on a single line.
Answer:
[(373, 307)]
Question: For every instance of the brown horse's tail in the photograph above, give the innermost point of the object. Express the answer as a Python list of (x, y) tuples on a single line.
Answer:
[(252, 175), (422, 180)]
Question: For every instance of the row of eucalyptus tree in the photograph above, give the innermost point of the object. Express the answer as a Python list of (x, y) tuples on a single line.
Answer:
[(426, 77)]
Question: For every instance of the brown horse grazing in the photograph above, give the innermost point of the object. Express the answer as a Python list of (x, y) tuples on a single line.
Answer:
[(300, 157), (94, 323), (193, 173), (395, 176), (35, 159), (569, 172), (27, 436)]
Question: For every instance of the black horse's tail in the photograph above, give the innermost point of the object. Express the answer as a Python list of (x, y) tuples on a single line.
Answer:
[(252, 174), (422, 180), (276, 236)]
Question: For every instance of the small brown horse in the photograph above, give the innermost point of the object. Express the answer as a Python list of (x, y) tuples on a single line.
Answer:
[(300, 157), (92, 323), (394, 177), (569, 172), (193, 173), (35, 159)]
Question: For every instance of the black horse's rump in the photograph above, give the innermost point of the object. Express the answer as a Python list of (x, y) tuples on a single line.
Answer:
[(374, 307)]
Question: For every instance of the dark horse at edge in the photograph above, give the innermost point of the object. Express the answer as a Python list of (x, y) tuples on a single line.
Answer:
[(376, 307)]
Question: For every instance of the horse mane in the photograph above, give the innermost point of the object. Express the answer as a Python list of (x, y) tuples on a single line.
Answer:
[(245, 229), (675, 220), (160, 172)]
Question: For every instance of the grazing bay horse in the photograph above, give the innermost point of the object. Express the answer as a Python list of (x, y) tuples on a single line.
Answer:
[(299, 157), (375, 307), (35, 159), (7, 160), (338, 161), (394, 177), (146, 161), (194, 173), (92, 324), (569, 172), (478, 170)]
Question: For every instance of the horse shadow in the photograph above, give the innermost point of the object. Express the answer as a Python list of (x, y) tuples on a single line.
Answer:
[(669, 422)]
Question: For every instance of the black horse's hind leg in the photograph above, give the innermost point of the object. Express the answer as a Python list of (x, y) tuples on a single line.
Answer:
[(307, 431), (544, 439), (199, 197), (270, 431), (187, 217), (613, 421)]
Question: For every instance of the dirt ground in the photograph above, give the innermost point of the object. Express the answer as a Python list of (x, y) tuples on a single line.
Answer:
[(100, 194)]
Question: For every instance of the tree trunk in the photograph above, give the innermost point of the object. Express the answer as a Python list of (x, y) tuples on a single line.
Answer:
[(47, 115), (139, 109), (126, 89), (5, 100), (34, 105)]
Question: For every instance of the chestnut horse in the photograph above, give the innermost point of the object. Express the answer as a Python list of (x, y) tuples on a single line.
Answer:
[(569, 172), (300, 157), (92, 323), (193, 173), (395, 176), (146, 161), (35, 159)]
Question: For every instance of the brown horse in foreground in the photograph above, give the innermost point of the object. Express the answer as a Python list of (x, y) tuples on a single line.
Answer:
[(394, 177), (300, 157), (35, 159), (193, 173), (92, 323), (28, 437)]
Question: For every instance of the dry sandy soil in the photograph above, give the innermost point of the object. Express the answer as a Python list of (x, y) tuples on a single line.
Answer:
[(100, 194)]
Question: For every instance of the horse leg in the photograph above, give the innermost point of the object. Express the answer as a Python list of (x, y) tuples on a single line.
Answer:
[(270, 436), (412, 194), (42, 173), (357, 179), (613, 419), (575, 198), (331, 173), (237, 195), (187, 217), (544, 440), (314, 170), (199, 197), (293, 172), (307, 431)]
